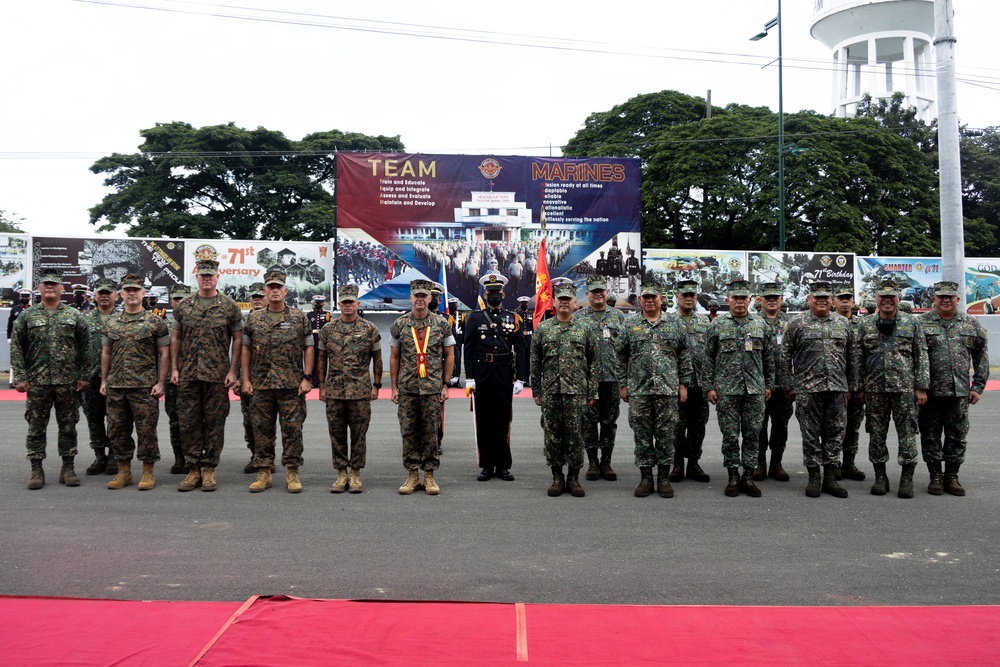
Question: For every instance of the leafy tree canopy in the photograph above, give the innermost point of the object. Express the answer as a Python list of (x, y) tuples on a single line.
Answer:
[(10, 223)]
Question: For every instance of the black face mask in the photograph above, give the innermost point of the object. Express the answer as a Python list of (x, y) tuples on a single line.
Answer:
[(433, 305), (78, 298), (494, 299), (886, 327)]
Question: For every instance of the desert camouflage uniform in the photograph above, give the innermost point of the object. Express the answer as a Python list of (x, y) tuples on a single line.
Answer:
[(892, 367), (693, 414), (564, 373), (777, 409), (134, 342), (739, 367), (51, 351), (952, 347), (602, 419), (91, 400), (277, 342), (654, 360), (350, 348)]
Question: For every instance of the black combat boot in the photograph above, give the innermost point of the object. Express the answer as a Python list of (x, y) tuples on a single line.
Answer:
[(645, 482), (677, 472), (815, 485), (830, 481), (695, 472), (663, 482), (733, 487), (906, 481), (951, 483), (67, 475), (573, 483), (558, 482), (111, 464), (100, 461), (179, 467), (881, 485), (593, 465), (775, 471), (746, 483), (37, 480), (851, 471), (606, 472), (936, 486), (760, 472)]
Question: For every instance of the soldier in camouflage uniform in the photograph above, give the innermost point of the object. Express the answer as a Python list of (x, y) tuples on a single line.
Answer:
[(602, 419), (819, 365), (694, 411), (205, 346), (564, 372), (178, 293), (895, 377), (654, 369), (421, 356), (91, 399), (844, 305), (51, 359), (277, 371), (256, 303), (955, 341), (348, 346), (135, 357), (738, 376), (777, 408)]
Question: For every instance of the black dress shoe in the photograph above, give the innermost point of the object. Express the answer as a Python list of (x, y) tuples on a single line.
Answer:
[(505, 475), (485, 475)]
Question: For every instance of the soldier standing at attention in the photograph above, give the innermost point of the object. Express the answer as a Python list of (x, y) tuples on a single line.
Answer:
[(205, 346), (23, 303), (256, 303), (421, 355), (955, 342), (489, 376), (318, 317), (895, 378), (51, 359), (135, 357), (178, 293), (522, 345), (564, 372), (602, 418), (456, 320), (654, 369), (277, 367), (80, 298), (739, 374), (777, 408), (819, 364), (693, 414), (348, 346), (844, 305), (92, 400)]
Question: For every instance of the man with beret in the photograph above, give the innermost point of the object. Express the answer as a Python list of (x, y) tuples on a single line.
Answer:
[(205, 346), (564, 372), (135, 357), (348, 346), (843, 300), (318, 317), (739, 375), (693, 415), (256, 303), (777, 408), (654, 368), (52, 361), (895, 377), (819, 364), (490, 377), (421, 355), (92, 400), (955, 342), (178, 292), (277, 361), (602, 418)]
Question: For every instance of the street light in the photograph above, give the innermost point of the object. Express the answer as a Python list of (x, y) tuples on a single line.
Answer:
[(776, 22)]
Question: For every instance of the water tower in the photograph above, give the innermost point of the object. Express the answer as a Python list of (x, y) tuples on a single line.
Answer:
[(880, 47)]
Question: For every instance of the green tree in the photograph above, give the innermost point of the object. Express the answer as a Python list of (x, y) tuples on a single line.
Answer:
[(223, 181), (981, 191), (10, 223)]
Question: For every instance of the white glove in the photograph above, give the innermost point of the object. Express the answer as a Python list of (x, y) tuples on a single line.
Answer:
[(453, 382), (518, 386), (470, 385)]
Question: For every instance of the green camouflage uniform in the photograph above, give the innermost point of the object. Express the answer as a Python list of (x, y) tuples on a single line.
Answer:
[(50, 349), (855, 410), (739, 367), (134, 342), (654, 360), (277, 342), (564, 372), (892, 367), (350, 348), (602, 419), (693, 414), (952, 348), (91, 400), (206, 330), (777, 409)]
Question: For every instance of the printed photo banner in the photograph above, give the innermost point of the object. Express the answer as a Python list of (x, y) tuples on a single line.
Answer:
[(982, 285), (13, 267), (711, 269), (795, 270), (914, 275)]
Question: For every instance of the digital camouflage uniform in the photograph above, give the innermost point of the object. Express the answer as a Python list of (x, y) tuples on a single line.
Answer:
[(892, 367), (350, 348), (693, 416), (855, 410), (134, 342), (653, 361), (952, 348), (92, 401), (50, 349), (602, 419), (277, 342), (777, 409)]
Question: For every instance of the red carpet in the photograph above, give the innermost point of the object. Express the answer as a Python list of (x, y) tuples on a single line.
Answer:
[(293, 631)]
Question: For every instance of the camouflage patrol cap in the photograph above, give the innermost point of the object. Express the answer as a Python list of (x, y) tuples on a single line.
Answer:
[(596, 282), (133, 281), (563, 288), (180, 290), (347, 293), (712, 303), (771, 289), (206, 267), (256, 289), (906, 306), (650, 289), (105, 285), (820, 288), (844, 291), (687, 287), (887, 287), (50, 276), (738, 286), (945, 288), (274, 277), (421, 286)]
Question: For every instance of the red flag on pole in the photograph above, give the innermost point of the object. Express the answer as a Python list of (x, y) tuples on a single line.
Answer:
[(543, 284)]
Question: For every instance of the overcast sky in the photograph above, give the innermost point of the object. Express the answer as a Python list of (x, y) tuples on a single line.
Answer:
[(81, 78)]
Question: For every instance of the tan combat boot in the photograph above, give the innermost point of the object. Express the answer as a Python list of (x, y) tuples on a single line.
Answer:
[(341, 484), (192, 481), (208, 479), (147, 481), (431, 486), (355, 484), (411, 483), (37, 480), (292, 482), (124, 476), (262, 482)]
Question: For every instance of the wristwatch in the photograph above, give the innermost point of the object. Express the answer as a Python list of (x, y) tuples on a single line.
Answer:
[(377, 386)]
